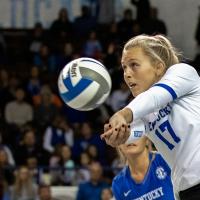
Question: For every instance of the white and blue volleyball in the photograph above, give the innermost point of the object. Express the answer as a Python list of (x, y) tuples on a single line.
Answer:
[(84, 84)]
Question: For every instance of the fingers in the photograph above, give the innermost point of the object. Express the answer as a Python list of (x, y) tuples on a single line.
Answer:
[(108, 131), (125, 135), (116, 136), (107, 134), (107, 127), (121, 135)]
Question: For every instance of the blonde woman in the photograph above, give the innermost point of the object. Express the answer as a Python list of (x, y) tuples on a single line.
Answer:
[(145, 175), (167, 100), (23, 188)]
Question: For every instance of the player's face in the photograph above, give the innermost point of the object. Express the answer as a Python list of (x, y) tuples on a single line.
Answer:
[(139, 72), (135, 148)]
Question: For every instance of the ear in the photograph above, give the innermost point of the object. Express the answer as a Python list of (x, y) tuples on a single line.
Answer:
[(160, 69), (148, 144)]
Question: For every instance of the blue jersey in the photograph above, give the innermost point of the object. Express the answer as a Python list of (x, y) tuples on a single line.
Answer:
[(156, 184)]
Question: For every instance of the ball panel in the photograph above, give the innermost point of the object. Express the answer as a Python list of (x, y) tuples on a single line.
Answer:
[(88, 73), (97, 100), (97, 69), (84, 97), (103, 90), (103, 98), (74, 91)]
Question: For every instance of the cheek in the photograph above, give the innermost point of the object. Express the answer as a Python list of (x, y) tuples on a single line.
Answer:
[(125, 79), (149, 78)]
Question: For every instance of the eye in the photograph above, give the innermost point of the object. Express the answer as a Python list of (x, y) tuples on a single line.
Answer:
[(133, 64), (123, 66)]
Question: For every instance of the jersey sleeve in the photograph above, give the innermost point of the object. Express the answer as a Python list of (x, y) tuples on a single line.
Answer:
[(138, 130), (179, 80)]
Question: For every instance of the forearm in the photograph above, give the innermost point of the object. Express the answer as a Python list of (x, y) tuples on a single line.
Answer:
[(149, 101), (127, 114)]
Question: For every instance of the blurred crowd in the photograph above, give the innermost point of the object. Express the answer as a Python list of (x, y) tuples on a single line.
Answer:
[(43, 141)]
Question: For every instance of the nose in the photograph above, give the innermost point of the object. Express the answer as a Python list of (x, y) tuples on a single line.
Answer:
[(127, 73)]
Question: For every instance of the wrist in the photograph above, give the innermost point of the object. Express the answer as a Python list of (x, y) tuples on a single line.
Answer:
[(127, 114)]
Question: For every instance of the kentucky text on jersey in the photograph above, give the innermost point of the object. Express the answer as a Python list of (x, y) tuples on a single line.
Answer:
[(161, 114), (154, 194)]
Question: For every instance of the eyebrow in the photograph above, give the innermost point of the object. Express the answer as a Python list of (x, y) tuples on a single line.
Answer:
[(132, 59)]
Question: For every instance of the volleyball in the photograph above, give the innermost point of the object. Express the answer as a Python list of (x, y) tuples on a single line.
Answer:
[(84, 84)]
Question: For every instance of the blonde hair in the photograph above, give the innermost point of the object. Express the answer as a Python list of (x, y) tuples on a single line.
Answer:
[(28, 184), (158, 48), (121, 156)]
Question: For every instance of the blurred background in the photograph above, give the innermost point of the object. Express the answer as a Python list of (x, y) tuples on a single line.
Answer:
[(46, 148)]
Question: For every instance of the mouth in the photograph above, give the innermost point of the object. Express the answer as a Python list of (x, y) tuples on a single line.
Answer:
[(132, 85), (131, 145)]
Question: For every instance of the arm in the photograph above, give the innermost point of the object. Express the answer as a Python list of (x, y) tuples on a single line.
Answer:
[(47, 140), (69, 137), (10, 156), (179, 80)]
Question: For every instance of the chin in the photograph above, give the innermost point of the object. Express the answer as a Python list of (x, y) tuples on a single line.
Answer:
[(135, 94), (132, 152)]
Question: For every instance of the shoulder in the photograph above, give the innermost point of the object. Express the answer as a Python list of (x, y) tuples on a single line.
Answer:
[(180, 80), (84, 185), (182, 65), (157, 156), (11, 104), (160, 162), (120, 177), (182, 69)]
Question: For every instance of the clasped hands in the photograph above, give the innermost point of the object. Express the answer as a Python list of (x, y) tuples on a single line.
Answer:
[(117, 131)]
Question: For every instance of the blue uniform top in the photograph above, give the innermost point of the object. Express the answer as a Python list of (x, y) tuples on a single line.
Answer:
[(156, 184), (89, 191)]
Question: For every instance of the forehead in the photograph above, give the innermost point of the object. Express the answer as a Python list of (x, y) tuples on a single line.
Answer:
[(135, 53)]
